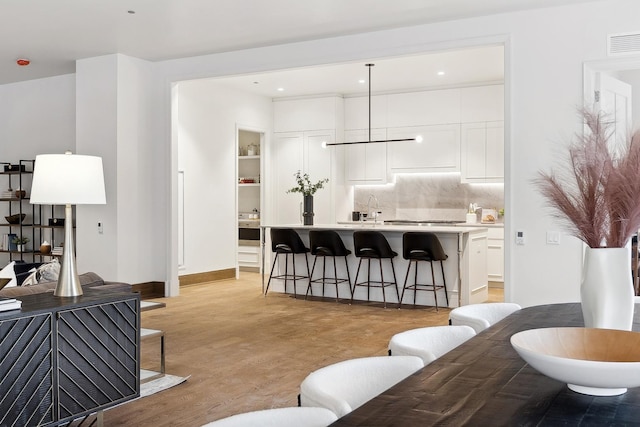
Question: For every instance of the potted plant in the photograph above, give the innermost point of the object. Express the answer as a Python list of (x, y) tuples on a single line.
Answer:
[(308, 190), (20, 242), (597, 196)]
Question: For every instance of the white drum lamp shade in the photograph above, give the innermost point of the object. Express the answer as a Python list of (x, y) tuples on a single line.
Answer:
[(68, 179)]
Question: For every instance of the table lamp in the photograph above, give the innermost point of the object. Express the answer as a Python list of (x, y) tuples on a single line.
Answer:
[(68, 179)]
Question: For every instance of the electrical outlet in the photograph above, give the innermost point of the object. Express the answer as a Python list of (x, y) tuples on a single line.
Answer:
[(100, 230)]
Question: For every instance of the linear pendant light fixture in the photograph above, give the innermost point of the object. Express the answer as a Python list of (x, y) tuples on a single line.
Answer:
[(416, 139)]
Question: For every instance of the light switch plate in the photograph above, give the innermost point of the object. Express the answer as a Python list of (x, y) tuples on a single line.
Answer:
[(553, 237), (519, 237)]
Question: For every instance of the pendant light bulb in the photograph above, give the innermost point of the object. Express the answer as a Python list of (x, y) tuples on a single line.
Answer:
[(418, 138), (323, 144)]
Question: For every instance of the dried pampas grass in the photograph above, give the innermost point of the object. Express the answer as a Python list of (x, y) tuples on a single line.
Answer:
[(598, 195)]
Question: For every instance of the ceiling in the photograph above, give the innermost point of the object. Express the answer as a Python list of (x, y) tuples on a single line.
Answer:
[(463, 67), (53, 34)]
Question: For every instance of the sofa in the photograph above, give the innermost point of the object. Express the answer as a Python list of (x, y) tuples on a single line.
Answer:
[(87, 280)]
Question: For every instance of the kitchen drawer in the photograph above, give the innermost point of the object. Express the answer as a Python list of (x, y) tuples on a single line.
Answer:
[(495, 254), (495, 233), (249, 256)]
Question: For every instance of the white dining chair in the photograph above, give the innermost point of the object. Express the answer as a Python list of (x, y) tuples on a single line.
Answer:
[(429, 343), (279, 417), (345, 386), (481, 316)]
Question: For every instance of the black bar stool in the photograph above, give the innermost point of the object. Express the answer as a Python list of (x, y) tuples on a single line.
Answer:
[(327, 243), (373, 245), (416, 247), (286, 241)]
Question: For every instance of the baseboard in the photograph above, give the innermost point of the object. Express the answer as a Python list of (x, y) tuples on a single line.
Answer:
[(149, 289), (499, 285), (250, 269), (207, 276)]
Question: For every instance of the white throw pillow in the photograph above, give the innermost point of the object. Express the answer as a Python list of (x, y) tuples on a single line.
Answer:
[(31, 279), (9, 273), (49, 271)]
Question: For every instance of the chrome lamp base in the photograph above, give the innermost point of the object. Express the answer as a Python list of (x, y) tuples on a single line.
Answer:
[(68, 280)]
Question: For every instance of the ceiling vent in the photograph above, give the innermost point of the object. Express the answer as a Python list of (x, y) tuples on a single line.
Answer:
[(623, 44)]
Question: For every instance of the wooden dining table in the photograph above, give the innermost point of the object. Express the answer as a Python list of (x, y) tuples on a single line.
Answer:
[(484, 382)]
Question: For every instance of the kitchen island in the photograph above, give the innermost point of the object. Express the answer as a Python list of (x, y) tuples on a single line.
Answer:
[(465, 269)]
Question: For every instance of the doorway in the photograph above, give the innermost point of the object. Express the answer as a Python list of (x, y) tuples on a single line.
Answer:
[(249, 146)]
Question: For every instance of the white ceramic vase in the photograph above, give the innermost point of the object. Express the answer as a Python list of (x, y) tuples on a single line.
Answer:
[(607, 288)]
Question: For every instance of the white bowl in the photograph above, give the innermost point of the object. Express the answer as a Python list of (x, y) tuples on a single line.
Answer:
[(599, 362)]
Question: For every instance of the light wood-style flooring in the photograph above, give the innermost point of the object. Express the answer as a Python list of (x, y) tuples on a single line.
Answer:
[(247, 352)]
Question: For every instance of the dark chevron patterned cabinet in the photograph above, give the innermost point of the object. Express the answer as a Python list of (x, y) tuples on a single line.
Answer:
[(65, 358)]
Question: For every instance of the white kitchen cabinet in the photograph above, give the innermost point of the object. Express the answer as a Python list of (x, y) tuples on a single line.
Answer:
[(478, 290), (288, 158), (423, 108), (439, 150), (308, 114), (482, 152), (356, 112), (300, 127), (366, 163), (482, 104), (301, 151), (249, 257), (495, 254)]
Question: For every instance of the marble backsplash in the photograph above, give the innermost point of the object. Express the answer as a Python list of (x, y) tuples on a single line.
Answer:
[(428, 196)]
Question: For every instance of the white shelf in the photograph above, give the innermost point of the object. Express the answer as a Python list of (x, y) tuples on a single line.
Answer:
[(248, 157), (254, 184)]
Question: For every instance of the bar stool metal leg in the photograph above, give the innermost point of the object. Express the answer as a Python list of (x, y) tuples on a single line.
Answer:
[(275, 260), (311, 278), (353, 290), (335, 277), (384, 299), (435, 288), (444, 284)]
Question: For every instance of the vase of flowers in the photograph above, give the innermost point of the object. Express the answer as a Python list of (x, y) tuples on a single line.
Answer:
[(598, 198), (308, 190)]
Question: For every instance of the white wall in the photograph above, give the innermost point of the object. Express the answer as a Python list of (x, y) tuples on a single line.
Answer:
[(545, 51), (116, 106), (207, 117), (37, 117)]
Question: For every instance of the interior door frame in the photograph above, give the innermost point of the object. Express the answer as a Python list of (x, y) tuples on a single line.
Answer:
[(590, 68)]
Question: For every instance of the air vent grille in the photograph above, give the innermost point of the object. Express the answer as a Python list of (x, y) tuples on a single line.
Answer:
[(623, 44)]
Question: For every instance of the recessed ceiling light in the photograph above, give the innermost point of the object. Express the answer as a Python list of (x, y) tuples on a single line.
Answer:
[(441, 73), (362, 81), (280, 89)]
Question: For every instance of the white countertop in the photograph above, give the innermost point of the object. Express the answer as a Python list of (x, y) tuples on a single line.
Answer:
[(368, 225), (489, 225)]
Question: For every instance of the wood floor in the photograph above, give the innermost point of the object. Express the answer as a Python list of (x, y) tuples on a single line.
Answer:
[(245, 352)]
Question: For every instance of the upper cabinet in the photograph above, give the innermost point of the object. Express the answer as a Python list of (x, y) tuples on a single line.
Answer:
[(431, 107), (356, 112), (482, 134), (482, 104), (308, 114), (366, 163), (439, 150), (482, 152)]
